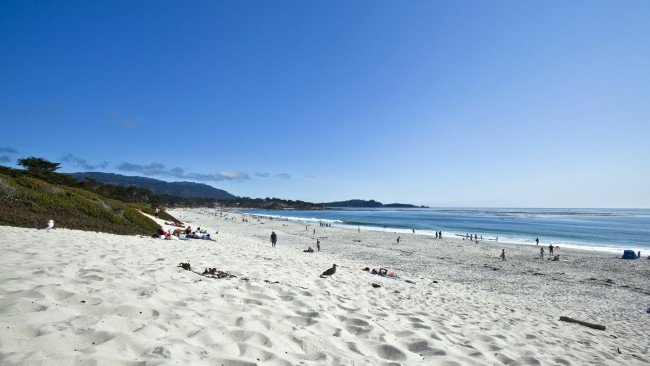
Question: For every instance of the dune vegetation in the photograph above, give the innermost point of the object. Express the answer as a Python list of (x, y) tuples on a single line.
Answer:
[(27, 201)]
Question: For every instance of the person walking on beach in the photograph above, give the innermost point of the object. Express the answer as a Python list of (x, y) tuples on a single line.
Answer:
[(537, 241), (503, 254), (274, 239), (398, 239), (318, 245), (314, 231), (550, 249), (541, 252)]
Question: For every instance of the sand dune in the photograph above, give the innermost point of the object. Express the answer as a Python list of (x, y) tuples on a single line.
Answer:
[(72, 297)]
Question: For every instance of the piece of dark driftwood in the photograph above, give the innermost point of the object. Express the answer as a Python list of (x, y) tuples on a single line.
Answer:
[(590, 325)]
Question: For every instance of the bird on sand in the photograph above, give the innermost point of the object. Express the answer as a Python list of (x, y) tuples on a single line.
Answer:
[(329, 272), (50, 224)]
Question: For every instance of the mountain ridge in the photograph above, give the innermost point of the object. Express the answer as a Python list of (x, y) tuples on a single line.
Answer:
[(157, 186)]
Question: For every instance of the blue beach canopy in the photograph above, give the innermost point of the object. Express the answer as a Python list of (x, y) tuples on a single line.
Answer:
[(629, 254)]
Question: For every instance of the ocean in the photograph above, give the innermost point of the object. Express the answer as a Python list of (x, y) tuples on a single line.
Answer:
[(598, 229)]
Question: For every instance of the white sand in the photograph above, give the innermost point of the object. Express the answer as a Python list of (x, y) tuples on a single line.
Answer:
[(73, 297)]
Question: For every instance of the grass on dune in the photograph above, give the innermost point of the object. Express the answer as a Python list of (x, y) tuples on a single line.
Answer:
[(26, 201)]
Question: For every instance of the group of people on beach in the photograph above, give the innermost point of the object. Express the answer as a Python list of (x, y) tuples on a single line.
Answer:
[(325, 224), (310, 249), (176, 234), (438, 234), (550, 251), (474, 237)]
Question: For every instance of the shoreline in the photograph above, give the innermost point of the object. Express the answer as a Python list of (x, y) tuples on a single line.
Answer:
[(502, 239)]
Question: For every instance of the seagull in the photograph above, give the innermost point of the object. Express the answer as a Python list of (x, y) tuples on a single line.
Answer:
[(50, 225), (329, 272)]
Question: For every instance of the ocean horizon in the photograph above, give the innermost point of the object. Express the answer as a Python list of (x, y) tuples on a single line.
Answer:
[(603, 229)]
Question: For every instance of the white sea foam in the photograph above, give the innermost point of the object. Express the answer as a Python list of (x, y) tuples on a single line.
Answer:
[(501, 239)]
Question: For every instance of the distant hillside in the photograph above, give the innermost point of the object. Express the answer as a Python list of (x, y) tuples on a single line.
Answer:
[(159, 187), (368, 204)]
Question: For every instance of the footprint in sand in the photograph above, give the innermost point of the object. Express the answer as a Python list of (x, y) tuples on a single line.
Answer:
[(160, 352), (308, 314), (307, 347), (56, 293), (25, 332), (421, 347), (88, 338), (357, 330), (96, 338), (389, 352), (261, 296), (241, 336), (355, 348), (92, 277), (404, 333), (261, 355), (253, 301), (561, 361), (418, 346), (420, 326), (21, 307), (530, 361), (357, 322)]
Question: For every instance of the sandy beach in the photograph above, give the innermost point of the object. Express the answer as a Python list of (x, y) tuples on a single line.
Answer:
[(71, 297)]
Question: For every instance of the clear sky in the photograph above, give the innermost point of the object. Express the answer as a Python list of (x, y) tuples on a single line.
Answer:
[(463, 103)]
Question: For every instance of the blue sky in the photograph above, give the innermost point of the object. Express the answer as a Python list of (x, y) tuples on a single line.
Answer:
[(463, 103)]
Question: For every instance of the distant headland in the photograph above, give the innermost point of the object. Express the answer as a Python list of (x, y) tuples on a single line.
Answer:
[(357, 203)]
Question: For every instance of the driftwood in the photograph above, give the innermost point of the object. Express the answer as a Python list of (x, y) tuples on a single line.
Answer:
[(590, 325)]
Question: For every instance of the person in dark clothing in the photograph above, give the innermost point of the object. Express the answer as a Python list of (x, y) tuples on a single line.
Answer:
[(274, 239)]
